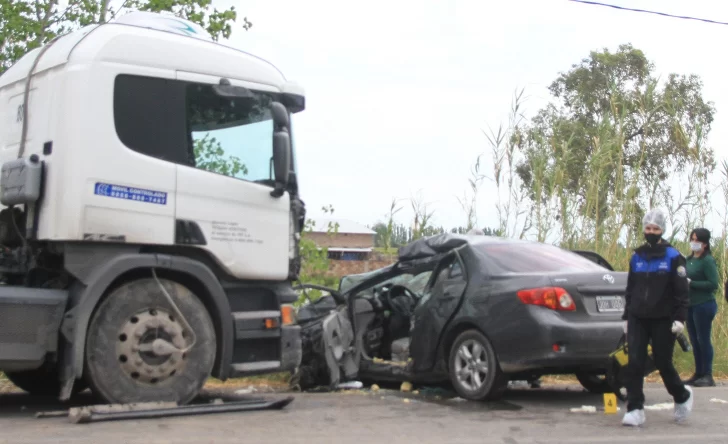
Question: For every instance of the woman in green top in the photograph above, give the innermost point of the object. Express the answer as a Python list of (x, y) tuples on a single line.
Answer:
[(703, 278)]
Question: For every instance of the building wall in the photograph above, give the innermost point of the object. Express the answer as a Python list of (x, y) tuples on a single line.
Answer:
[(342, 240), (343, 268)]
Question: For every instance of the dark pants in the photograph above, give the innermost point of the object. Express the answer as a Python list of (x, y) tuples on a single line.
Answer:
[(700, 325), (639, 334)]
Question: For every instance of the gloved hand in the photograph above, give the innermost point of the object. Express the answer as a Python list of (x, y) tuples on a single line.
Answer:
[(678, 327), (624, 327)]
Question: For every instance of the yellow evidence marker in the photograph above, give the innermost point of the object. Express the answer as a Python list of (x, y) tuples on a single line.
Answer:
[(610, 404)]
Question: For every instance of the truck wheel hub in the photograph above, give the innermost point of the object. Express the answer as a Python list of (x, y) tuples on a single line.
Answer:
[(137, 356)]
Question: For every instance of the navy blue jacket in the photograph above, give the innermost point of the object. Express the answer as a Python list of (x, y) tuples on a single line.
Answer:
[(657, 285)]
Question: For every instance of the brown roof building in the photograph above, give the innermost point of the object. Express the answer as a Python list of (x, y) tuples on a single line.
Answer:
[(351, 241)]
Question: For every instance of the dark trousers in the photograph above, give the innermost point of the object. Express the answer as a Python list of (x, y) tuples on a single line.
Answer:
[(639, 334), (700, 325)]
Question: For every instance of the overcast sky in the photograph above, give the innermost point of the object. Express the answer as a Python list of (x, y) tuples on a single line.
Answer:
[(399, 91)]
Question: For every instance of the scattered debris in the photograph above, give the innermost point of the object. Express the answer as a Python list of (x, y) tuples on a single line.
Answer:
[(584, 409), (350, 385), (52, 414), (719, 401), (374, 388), (406, 400), (663, 406), (406, 387), (246, 391), (458, 399)]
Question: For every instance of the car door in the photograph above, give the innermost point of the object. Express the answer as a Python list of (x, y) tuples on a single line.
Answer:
[(434, 311)]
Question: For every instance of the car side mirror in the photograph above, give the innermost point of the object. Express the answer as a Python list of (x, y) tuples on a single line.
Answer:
[(281, 148)]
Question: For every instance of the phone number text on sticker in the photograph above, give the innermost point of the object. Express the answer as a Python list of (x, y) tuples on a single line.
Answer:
[(130, 193)]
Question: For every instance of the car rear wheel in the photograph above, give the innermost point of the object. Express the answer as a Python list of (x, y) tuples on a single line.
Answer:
[(474, 370), (593, 383)]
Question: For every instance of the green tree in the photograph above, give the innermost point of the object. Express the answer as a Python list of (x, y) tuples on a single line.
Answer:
[(611, 140), (315, 260), (28, 24)]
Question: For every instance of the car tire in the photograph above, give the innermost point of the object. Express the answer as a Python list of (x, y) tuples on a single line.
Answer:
[(43, 382), (469, 351), (135, 314), (594, 383)]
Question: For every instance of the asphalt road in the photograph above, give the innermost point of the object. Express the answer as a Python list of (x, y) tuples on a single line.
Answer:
[(524, 416)]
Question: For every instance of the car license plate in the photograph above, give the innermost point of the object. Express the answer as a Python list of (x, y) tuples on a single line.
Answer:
[(610, 304)]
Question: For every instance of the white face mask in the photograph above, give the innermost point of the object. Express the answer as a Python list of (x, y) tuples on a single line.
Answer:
[(696, 246)]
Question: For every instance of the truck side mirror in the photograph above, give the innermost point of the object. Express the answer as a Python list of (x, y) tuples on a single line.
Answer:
[(280, 116), (281, 148)]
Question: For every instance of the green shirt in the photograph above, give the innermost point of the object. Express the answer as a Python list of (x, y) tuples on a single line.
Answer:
[(703, 275)]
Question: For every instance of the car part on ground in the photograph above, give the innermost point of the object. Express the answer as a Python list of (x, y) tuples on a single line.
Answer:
[(148, 410)]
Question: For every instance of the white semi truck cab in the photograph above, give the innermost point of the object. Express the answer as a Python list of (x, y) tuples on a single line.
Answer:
[(150, 213)]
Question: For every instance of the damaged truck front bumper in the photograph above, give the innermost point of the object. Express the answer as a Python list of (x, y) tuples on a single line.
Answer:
[(263, 345)]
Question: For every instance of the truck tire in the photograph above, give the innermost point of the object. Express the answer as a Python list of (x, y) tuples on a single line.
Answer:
[(43, 381), (133, 316)]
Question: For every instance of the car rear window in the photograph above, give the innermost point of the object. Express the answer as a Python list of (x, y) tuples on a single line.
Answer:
[(535, 258)]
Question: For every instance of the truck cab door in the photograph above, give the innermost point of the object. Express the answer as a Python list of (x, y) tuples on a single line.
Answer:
[(434, 311), (224, 202)]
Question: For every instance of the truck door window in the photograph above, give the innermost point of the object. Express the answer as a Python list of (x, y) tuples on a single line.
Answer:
[(234, 136), (188, 124)]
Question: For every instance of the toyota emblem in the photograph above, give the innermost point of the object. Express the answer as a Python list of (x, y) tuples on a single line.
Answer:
[(608, 278)]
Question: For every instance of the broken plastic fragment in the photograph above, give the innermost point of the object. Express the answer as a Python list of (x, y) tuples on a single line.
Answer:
[(246, 391), (584, 409), (350, 385), (663, 406), (719, 401)]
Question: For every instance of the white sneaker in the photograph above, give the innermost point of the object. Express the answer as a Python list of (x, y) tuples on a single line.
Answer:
[(635, 418), (682, 411)]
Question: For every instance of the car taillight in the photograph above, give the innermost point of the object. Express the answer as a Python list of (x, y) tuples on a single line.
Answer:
[(554, 298)]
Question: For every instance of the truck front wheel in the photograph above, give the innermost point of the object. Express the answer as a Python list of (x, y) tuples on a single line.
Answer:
[(142, 348)]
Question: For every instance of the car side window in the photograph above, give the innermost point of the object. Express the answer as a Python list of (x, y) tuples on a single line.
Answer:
[(456, 270)]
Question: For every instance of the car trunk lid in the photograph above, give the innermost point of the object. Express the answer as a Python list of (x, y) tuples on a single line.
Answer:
[(598, 294)]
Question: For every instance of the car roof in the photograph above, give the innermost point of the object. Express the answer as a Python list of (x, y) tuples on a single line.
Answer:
[(431, 246)]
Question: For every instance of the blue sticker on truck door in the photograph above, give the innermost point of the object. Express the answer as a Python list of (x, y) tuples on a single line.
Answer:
[(130, 193)]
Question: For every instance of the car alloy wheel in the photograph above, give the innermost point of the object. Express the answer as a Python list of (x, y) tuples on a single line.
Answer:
[(471, 365)]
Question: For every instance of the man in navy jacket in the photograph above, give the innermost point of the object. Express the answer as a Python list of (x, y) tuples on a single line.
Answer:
[(656, 310)]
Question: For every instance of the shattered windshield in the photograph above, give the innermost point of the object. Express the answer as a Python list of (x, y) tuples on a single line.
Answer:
[(415, 282)]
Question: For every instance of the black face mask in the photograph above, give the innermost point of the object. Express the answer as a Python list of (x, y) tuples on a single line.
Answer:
[(652, 238)]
